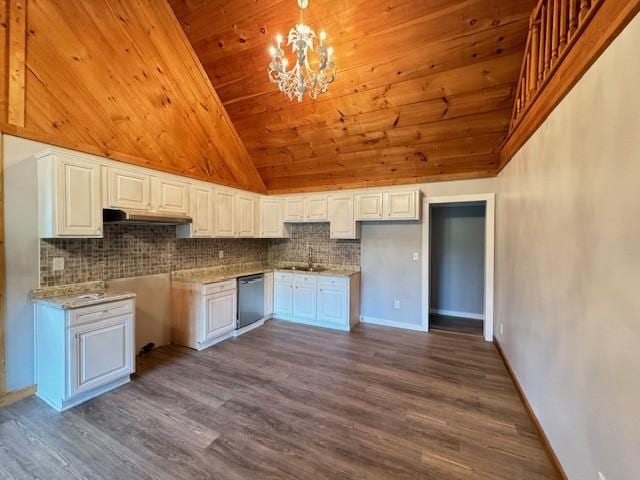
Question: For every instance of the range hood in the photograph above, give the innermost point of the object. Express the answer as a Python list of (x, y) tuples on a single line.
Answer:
[(140, 217)]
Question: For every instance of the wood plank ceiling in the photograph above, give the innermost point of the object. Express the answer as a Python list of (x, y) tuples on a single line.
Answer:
[(424, 88), (118, 78)]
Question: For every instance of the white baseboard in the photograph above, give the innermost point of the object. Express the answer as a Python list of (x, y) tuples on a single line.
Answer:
[(392, 323), (453, 313)]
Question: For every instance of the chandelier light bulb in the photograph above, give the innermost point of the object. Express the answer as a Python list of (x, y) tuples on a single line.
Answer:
[(272, 51), (279, 39), (329, 52)]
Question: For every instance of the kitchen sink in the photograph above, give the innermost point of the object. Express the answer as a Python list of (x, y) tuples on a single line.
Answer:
[(305, 269)]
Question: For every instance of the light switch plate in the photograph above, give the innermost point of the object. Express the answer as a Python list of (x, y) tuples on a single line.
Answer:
[(501, 328), (415, 256), (396, 304), (221, 253), (58, 264)]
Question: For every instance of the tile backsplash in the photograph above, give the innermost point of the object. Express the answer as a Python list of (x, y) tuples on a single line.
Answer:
[(324, 250), (135, 250)]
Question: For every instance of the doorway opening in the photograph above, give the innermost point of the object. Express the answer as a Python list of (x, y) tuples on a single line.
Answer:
[(458, 240)]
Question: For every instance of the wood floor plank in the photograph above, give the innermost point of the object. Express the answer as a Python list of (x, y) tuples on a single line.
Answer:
[(287, 401)]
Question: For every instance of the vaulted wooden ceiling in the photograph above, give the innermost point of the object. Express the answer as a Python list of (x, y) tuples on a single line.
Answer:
[(424, 88), (117, 78)]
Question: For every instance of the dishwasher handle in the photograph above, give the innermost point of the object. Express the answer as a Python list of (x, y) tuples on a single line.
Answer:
[(251, 280)]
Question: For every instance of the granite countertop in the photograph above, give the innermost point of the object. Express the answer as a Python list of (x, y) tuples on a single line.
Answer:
[(68, 297), (219, 274)]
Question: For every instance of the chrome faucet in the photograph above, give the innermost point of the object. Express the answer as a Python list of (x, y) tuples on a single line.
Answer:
[(310, 257)]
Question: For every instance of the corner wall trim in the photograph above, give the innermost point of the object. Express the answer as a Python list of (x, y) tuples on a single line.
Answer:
[(383, 322), (12, 397), (527, 406), (454, 313)]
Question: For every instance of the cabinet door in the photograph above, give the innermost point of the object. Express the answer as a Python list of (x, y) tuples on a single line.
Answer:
[(294, 209), (268, 295), (315, 208), (225, 210), (128, 189), (100, 353), (271, 219), (304, 297), (79, 208), (343, 224), (246, 215), (369, 206), (402, 205), (332, 305), (283, 299), (220, 314), (170, 196), (202, 211)]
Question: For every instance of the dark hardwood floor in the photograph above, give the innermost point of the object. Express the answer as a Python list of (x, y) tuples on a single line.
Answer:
[(287, 401), (455, 324)]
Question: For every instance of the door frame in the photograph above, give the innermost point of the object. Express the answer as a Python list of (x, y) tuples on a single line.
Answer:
[(489, 254)]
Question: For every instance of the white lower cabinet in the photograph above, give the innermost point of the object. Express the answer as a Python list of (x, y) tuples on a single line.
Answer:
[(268, 295), (304, 297), (83, 352), (320, 300), (220, 315), (283, 295), (203, 314), (333, 301)]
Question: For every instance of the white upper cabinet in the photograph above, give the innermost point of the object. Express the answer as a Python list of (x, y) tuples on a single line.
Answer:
[(369, 206), (69, 197), (402, 205), (127, 188), (225, 213), (294, 209), (170, 196), (315, 208), (272, 218), (341, 217), (201, 207), (308, 208), (388, 205), (246, 206)]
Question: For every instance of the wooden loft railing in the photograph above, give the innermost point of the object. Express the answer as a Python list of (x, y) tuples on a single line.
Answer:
[(565, 38), (554, 28)]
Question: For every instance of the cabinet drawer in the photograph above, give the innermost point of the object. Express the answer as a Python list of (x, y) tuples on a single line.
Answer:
[(335, 282), (283, 277), (301, 279), (93, 313), (225, 286)]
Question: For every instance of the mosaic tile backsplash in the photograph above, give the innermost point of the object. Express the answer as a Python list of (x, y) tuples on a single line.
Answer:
[(135, 250), (324, 250)]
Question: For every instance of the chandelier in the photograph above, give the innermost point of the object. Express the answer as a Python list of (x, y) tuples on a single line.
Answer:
[(311, 76)]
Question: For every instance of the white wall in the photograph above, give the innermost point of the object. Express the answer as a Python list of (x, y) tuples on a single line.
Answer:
[(22, 249), (389, 272), (457, 259), (568, 268)]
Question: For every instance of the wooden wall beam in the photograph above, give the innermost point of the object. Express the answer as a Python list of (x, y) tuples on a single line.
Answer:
[(605, 26), (17, 18), (2, 273), (4, 58)]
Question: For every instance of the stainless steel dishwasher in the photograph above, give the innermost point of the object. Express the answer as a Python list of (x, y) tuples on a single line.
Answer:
[(250, 299)]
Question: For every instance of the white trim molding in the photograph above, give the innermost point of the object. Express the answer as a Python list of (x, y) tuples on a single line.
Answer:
[(489, 199), (453, 313), (392, 323)]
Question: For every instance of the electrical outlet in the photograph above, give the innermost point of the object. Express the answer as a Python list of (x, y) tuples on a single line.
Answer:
[(221, 253), (58, 264), (415, 256), (601, 476), (396, 304), (501, 329)]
